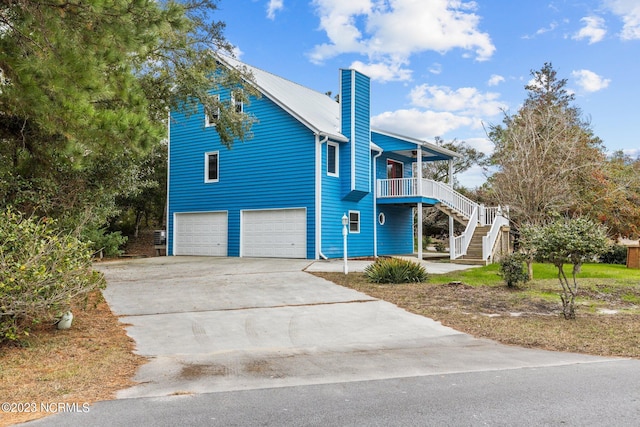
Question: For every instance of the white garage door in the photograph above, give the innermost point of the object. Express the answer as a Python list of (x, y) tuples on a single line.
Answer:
[(202, 233), (275, 233)]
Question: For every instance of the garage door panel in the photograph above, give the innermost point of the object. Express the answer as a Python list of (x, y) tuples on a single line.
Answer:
[(277, 233), (202, 233)]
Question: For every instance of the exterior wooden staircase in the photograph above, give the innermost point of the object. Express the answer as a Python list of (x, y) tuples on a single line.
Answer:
[(476, 252), (485, 227)]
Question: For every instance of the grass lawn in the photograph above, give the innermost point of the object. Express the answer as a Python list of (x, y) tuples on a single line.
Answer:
[(476, 301)]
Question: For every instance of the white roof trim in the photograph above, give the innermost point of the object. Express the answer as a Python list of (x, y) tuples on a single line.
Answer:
[(425, 144), (315, 110)]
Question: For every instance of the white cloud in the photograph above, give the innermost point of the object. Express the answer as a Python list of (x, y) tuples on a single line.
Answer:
[(391, 32), (634, 153), (383, 71), (542, 30), (495, 80), (466, 100), (237, 52), (484, 145), (629, 12), (594, 29), (420, 124), (274, 6), (436, 68), (590, 81)]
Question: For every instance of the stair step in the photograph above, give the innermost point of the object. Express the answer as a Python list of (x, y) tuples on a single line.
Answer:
[(469, 261)]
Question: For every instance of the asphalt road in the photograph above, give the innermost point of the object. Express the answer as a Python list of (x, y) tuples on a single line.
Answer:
[(592, 394)]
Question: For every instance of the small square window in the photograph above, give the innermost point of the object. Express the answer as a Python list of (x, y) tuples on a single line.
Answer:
[(211, 118), (211, 167), (354, 221), (332, 159)]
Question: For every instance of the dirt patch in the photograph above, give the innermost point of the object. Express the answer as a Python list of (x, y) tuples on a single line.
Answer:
[(192, 372), (525, 317), (87, 363)]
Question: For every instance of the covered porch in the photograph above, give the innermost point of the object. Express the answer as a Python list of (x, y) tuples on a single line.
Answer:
[(483, 225)]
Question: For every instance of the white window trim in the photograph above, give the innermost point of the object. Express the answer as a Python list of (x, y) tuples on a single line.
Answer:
[(358, 222), (382, 218), (337, 159), (206, 166), (207, 121), (237, 103), (397, 162)]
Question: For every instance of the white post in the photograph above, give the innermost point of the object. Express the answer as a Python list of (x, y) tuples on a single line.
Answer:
[(345, 221), (419, 231), (451, 235)]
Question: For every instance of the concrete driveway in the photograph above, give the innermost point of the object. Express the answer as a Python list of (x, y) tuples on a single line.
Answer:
[(221, 324)]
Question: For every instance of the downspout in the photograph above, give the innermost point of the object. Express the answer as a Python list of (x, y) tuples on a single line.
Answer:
[(318, 242), (168, 169), (375, 205)]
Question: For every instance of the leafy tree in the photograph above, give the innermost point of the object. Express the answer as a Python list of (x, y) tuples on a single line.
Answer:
[(439, 171), (149, 201), (544, 154), (613, 198), (84, 91), (569, 241)]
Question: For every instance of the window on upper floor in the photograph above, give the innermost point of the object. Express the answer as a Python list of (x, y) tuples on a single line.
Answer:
[(211, 117), (354, 221), (211, 163), (332, 159), (236, 100)]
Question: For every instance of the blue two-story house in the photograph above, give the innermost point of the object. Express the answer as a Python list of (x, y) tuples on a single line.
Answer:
[(310, 162)]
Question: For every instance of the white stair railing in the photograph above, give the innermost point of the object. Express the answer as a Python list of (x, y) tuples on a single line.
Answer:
[(489, 241), (461, 242), (476, 214)]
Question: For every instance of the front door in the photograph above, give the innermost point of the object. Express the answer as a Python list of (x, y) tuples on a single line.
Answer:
[(395, 170)]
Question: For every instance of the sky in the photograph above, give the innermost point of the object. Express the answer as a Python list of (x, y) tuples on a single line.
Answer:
[(451, 68)]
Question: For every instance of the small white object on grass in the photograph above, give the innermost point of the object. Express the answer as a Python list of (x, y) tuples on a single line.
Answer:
[(65, 320)]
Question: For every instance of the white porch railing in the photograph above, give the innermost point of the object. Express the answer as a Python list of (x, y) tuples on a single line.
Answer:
[(473, 212)]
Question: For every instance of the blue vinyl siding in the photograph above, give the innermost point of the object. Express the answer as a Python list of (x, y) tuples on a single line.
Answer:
[(333, 207), (396, 235), (355, 113), (274, 169)]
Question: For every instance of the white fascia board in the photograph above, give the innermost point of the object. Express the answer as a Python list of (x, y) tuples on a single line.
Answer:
[(425, 144)]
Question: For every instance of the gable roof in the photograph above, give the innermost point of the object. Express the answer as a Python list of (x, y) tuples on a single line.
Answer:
[(316, 110), (319, 112)]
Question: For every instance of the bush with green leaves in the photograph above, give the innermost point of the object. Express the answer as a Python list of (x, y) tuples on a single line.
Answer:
[(569, 241), (42, 270), (102, 241), (617, 254), (512, 270), (395, 270)]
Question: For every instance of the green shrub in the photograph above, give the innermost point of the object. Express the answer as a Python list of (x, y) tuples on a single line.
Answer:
[(440, 247), (512, 270), (395, 270), (41, 271), (617, 254), (100, 240)]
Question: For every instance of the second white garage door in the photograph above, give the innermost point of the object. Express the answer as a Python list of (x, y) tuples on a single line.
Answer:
[(202, 233), (274, 233)]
